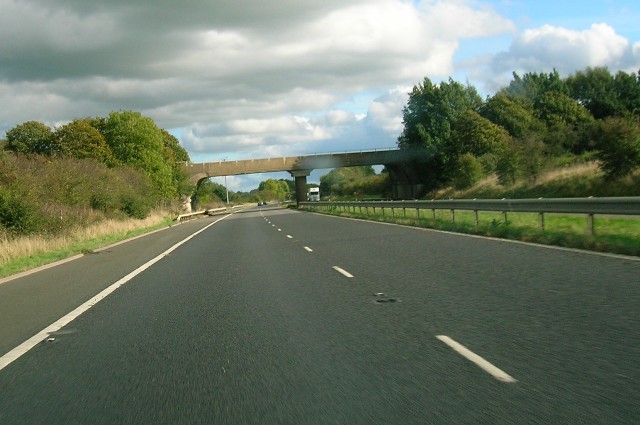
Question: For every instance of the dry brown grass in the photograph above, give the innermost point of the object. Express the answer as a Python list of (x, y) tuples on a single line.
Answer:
[(490, 185), (13, 249), (561, 173)]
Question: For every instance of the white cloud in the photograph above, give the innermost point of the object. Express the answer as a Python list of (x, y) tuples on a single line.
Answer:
[(566, 50), (385, 112)]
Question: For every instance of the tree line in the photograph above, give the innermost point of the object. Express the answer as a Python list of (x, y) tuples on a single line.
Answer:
[(539, 120), (55, 179), (209, 194), (122, 138)]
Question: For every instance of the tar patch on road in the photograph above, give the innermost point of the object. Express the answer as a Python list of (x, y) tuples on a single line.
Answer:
[(382, 298)]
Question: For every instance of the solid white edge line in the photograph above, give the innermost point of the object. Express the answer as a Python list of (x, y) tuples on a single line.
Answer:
[(497, 373), (342, 271), (308, 249), (27, 345)]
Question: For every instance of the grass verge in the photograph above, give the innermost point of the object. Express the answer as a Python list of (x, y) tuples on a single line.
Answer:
[(18, 255), (612, 235)]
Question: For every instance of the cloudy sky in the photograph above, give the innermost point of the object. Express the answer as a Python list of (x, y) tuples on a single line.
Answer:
[(236, 79)]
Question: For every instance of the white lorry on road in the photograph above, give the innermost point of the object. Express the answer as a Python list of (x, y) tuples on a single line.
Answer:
[(314, 194)]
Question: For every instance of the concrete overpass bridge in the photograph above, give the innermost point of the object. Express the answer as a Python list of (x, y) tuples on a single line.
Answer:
[(395, 160)]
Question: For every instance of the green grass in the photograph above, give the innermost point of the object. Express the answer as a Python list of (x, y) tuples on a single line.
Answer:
[(85, 246), (614, 235)]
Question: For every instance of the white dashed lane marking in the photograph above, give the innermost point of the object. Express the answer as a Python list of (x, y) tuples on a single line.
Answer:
[(499, 374), (342, 271)]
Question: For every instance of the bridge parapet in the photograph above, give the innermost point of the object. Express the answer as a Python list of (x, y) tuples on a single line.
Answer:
[(293, 163)]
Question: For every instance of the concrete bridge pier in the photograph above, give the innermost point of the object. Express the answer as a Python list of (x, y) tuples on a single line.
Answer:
[(300, 177), (404, 182)]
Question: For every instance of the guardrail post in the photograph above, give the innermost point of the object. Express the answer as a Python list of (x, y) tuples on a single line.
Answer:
[(434, 213), (504, 217), (404, 212), (475, 216), (542, 221), (453, 215), (418, 213), (393, 212), (591, 224)]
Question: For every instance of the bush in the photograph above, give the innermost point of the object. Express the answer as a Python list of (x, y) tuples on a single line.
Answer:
[(618, 147), (507, 164), (17, 215), (49, 195), (469, 171), (532, 158), (135, 207)]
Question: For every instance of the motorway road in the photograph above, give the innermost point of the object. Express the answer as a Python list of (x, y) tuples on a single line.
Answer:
[(273, 316)]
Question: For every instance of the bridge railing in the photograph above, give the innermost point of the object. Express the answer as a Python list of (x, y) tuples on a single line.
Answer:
[(589, 206), (211, 211)]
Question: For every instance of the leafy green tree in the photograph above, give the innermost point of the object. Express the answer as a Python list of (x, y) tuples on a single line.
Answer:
[(566, 121), (468, 171), (532, 157), (274, 189), (99, 123), (618, 146), (79, 139), (429, 118), (355, 181), (336, 182), (507, 163), (209, 193), (173, 150), (556, 109), (596, 89), (271, 185), (174, 154), (515, 117), (476, 135), (628, 91), (137, 141), (431, 111), (283, 189), (31, 137), (291, 185), (531, 86)]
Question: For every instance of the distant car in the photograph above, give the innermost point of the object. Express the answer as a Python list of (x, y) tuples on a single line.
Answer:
[(261, 203)]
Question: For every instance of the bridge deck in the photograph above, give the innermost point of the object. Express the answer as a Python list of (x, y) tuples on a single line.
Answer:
[(292, 164)]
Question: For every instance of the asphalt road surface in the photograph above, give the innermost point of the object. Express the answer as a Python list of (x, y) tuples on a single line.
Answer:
[(273, 316)]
